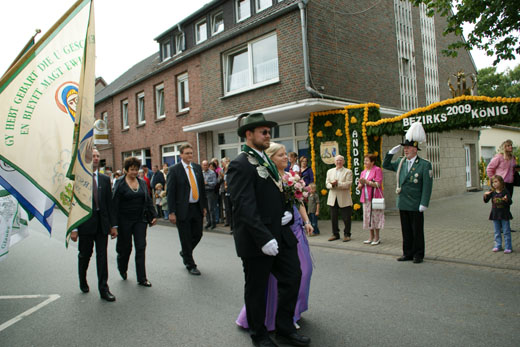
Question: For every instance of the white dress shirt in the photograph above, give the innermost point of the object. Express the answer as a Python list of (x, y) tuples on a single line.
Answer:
[(192, 200)]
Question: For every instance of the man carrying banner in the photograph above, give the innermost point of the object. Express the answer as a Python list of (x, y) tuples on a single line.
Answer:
[(414, 188), (95, 231)]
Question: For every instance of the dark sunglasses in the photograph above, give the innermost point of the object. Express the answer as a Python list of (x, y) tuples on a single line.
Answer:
[(265, 132)]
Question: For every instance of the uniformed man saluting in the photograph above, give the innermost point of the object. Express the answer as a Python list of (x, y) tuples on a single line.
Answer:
[(414, 188)]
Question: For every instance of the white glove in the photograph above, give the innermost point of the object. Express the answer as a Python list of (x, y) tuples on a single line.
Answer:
[(395, 149), (271, 248), (422, 208), (287, 217)]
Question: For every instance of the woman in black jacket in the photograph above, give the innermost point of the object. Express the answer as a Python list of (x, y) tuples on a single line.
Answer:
[(134, 210)]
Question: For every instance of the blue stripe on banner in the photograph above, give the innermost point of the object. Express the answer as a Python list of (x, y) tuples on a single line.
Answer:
[(28, 206)]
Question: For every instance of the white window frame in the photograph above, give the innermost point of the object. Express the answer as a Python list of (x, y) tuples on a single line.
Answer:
[(166, 46), (174, 152), (258, 4), (140, 109), (198, 37), (159, 96), (237, 10), (251, 85), (179, 43), (213, 31), (124, 114), (183, 78)]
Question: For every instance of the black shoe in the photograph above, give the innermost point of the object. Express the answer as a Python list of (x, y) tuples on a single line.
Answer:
[(513, 231), (265, 342), (404, 258), (226, 225), (194, 271), (213, 227), (294, 339), (84, 287), (417, 260), (207, 226), (146, 283), (107, 296), (124, 275)]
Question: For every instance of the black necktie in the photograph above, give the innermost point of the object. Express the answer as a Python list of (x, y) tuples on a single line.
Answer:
[(95, 191)]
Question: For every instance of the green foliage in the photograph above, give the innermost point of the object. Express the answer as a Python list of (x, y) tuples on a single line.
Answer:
[(493, 83), (482, 171), (496, 25)]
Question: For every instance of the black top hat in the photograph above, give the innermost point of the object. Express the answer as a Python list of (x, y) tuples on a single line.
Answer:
[(252, 121), (411, 143)]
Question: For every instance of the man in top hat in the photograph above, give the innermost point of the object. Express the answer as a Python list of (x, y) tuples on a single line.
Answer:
[(414, 188), (262, 236)]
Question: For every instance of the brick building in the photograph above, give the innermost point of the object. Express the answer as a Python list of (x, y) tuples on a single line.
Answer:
[(285, 58)]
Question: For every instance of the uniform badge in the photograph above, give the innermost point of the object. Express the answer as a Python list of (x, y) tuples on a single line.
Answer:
[(262, 171), (431, 173), (252, 160), (416, 175), (415, 180)]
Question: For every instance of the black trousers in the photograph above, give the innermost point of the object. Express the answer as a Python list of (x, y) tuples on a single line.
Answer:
[(346, 215), (190, 233), (229, 210), (85, 247), (510, 188), (412, 227), (286, 268), (211, 217), (124, 247)]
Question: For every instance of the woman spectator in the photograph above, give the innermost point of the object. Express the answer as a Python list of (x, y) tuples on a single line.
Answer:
[(133, 209), (306, 172), (293, 162), (370, 182), (227, 197), (503, 164)]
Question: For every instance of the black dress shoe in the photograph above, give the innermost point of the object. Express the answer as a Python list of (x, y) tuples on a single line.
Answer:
[(124, 275), (84, 287), (404, 258), (213, 227), (417, 260), (145, 283), (294, 339), (194, 271), (107, 296), (207, 226), (265, 342)]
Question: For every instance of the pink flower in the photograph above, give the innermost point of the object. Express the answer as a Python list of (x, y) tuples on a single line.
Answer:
[(298, 194), (305, 194), (290, 183), (298, 186)]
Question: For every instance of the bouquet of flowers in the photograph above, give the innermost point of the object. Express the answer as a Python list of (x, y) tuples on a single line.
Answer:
[(295, 189)]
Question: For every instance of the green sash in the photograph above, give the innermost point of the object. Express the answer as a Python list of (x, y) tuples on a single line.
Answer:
[(269, 164)]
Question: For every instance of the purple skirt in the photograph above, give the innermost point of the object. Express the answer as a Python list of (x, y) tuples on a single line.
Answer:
[(304, 254)]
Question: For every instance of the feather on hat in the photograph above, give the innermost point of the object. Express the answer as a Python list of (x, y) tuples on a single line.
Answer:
[(415, 135)]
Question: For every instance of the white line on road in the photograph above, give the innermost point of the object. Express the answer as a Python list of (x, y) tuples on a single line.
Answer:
[(22, 315)]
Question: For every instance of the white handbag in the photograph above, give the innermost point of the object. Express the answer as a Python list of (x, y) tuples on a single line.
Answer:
[(378, 203)]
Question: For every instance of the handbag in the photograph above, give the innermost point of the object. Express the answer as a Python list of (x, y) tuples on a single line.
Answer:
[(516, 179), (378, 203), (148, 216)]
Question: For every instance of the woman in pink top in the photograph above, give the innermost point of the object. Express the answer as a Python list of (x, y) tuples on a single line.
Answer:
[(503, 164), (370, 182)]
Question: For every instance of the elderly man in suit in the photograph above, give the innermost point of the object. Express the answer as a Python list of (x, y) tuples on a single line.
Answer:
[(414, 188), (338, 182), (95, 231), (187, 204), (262, 236)]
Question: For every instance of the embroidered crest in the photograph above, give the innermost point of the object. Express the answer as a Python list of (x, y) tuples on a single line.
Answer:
[(415, 180), (416, 175), (252, 160), (262, 171)]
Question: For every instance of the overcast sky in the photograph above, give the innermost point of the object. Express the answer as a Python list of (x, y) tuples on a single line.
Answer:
[(125, 29)]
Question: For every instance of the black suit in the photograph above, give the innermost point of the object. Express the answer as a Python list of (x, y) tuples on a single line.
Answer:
[(189, 216), (96, 230), (258, 207)]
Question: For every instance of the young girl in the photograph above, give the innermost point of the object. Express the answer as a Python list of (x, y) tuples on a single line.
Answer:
[(164, 204), (158, 204), (314, 208), (500, 214)]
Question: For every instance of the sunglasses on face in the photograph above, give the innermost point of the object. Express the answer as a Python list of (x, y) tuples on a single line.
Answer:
[(265, 132)]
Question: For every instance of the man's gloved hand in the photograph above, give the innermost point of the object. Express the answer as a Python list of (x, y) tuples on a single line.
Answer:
[(287, 217), (422, 208), (271, 248), (395, 149)]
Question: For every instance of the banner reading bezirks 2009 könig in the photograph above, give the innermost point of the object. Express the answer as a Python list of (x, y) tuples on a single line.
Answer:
[(38, 107)]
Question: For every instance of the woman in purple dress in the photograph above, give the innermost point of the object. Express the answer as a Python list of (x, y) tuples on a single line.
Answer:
[(300, 227)]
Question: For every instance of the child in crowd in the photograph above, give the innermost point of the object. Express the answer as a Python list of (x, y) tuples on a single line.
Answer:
[(500, 213), (158, 190), (164, 204), (313, 210)]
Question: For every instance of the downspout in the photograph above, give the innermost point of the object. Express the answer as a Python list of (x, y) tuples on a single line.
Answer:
[(198, 148), (302, 4)]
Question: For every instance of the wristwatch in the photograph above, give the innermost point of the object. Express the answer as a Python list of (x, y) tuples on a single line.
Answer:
[(307, 223)]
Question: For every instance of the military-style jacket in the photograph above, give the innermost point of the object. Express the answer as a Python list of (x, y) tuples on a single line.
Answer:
[(416, 185)]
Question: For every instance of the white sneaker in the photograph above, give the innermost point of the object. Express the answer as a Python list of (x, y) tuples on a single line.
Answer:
[(367, 242), (373, 243)]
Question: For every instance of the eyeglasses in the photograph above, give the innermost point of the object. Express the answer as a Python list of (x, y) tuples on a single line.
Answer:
[(265, 132)]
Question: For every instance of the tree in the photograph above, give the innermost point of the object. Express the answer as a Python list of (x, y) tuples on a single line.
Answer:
[(496, 25), (493, 83)]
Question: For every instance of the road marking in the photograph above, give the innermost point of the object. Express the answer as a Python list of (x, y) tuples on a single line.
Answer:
[(22, 315)]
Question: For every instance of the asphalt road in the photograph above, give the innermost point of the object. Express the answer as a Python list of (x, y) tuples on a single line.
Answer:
[(356, 299)]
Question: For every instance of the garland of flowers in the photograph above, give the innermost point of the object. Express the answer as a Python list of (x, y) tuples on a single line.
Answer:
[(391, 126)]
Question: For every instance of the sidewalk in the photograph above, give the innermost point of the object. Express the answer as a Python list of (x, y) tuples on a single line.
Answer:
[(456, 229)]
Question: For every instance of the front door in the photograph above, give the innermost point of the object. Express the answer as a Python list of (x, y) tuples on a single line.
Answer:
[(468, 165)]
